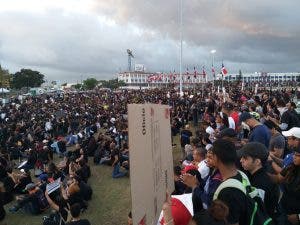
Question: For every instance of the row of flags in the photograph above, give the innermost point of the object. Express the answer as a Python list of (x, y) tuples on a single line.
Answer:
[(172, 76)]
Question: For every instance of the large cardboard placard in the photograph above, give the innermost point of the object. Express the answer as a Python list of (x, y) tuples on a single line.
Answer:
[(151, 161)]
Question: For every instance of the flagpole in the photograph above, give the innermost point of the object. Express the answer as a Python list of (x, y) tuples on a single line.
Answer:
[(180, 62)]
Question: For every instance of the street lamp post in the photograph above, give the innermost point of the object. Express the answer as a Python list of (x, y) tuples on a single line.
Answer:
[(180, 60), (213, 62)]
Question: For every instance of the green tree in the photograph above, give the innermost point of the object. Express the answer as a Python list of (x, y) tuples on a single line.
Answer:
[(5, 78), (90, 83), (112, 84), (27, 78), (77, 86)]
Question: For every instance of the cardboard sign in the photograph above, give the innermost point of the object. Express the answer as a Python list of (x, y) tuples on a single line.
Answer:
[(151, 161)]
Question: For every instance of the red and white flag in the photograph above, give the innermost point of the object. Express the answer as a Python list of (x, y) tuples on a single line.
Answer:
[(213, 70), (195, 72), (223, 70), (151, 78), (187, 73), (203, 72)]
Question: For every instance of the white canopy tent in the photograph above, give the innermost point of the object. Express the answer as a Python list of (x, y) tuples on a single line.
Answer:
[(4, 90)]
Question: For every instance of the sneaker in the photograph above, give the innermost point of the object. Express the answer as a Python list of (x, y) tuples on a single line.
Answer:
[(13, 209)]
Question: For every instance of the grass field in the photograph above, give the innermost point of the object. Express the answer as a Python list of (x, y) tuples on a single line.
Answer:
[(110, 203)]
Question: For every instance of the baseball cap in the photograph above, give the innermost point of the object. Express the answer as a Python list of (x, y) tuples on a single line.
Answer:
[(254, 150), (30, 187), (293, 132), (245, 116), (227, 132), (43, 177), (188, 168)]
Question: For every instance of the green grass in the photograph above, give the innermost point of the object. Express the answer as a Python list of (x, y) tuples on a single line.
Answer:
[(110, 203)]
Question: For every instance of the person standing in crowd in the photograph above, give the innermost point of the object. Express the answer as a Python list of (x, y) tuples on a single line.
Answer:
[(224, 157), (293, 140), (199, 156), (185, 138), (75, 213), (254, 156), (276, 147), (289, 178), (259, 132)]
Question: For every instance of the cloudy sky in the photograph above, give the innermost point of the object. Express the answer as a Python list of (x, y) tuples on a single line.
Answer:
[(70, 40)]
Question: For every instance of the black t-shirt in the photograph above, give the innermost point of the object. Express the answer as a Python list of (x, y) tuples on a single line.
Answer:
[(115, 153), (2, 211), (291, 191), (236, 202), (290, 119), (79, 222), (261, 180)]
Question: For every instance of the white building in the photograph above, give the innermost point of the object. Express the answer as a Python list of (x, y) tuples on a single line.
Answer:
[(143, 79), (267, 77)]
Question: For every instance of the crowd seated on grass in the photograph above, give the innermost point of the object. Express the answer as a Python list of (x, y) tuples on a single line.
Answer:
[(239, 151)]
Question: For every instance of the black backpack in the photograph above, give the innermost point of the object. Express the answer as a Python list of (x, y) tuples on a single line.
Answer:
[(256, 213)]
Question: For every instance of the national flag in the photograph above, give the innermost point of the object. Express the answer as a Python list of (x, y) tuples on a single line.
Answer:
[(223, 70), (151, 78), (213, 70), (203, 72), (195, 72), (187, 73), (171, 75)]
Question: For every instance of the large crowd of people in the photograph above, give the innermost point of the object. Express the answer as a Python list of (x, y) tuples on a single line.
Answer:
[(240, 153)]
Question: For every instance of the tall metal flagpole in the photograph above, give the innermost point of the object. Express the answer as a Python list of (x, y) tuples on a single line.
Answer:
[(180, 62)]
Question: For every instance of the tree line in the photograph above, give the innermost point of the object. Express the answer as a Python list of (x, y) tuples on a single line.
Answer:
[(27, 78)]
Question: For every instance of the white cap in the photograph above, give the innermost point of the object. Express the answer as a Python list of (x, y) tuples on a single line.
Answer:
[(293, 132), (208, 146)]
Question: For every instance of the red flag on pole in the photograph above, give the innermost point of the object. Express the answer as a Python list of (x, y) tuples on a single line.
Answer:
[(195, 72), (187, 73), (213, 70), (203, 72), (224, 71)]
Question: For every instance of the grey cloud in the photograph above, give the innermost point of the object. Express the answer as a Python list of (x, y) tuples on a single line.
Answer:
[(250, 34)]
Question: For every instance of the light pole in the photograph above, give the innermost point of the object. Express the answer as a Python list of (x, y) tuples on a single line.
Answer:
[(180, 60), (213, 62)]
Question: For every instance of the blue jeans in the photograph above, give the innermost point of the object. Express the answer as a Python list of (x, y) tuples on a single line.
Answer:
[(117, 173)]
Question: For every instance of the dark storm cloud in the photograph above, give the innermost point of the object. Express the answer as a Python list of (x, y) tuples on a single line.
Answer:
[(250, 35)]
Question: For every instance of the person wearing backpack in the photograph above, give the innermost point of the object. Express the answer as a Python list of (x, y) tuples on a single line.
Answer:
[(223, 156), (235, 190)]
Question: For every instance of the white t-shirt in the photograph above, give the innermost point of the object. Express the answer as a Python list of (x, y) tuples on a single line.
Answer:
[(231, 122), (203, 169)]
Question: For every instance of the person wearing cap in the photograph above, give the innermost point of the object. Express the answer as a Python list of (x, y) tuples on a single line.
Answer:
[(293, 141), (259, 132), (30, 202), (254, 156)]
